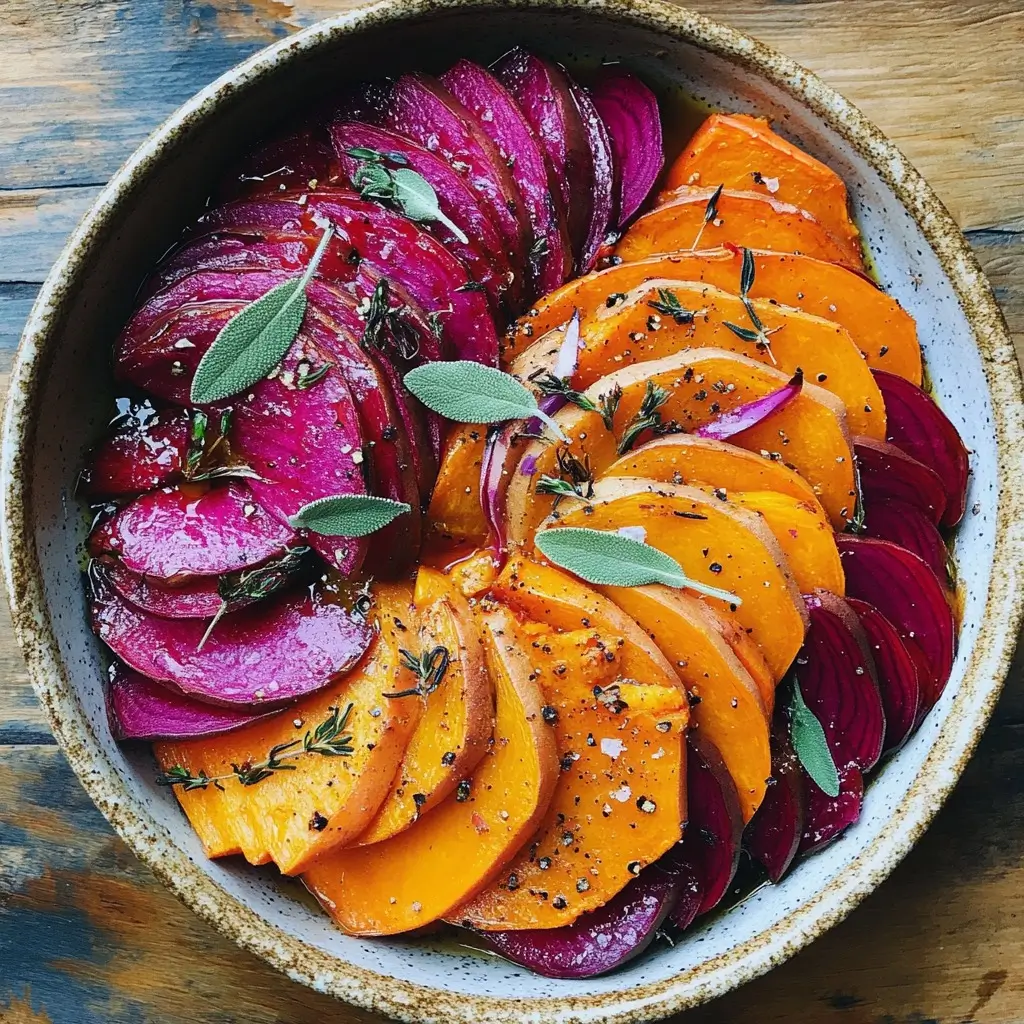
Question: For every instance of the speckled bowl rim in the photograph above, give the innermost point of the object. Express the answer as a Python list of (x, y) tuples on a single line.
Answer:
[(305, 963)]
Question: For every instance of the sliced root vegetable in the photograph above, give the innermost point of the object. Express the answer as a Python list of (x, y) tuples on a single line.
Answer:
[(292, 816), (458, 714), (909, 527), (273, 652), (773, 836), (742, 152), (726, 705), (826, 817), (301, 160), (691, 891), (141, 709), (906, 591), (455, 512), (888, 473), (502, 120), (600, 941), (896, 672), (193, 530), (918, 426), (423, 873), (744, 219), (603, 208), (630, 113)]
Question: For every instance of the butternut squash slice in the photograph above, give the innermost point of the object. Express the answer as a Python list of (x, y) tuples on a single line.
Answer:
[(458, 716), (742, 152), (421, 874), (726, 704), (744, 218), (454, 512), (294, 816), (880, 327), (716, 543), (620, 800), (637, 329)]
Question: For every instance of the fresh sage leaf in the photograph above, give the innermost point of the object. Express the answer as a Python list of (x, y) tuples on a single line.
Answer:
[(256, 338), (616, 560), (348, 515), (811, 746)]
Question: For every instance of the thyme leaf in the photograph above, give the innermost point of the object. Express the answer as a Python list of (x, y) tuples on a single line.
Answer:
[(710, 213), (429, 668), (668, 304), (386, 326), (647, 417)]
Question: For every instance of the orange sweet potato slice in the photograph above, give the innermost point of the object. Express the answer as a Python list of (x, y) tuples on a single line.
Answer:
[(454, 512), (742, 152), (744, 218), (880, 327), (636, 329), (620, 800), (729, 709), (716, 543), (458, 716), (293, 816), (421, 874)]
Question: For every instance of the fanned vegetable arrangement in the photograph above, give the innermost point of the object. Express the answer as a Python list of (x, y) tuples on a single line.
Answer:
[(487, 493)]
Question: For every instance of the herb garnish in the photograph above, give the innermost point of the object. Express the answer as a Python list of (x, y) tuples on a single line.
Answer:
[(548, 384), (668, 303), (386, 325), (759, 335), (429, 668), (810, 744), (647, 417), (710, 213), (196, 443), (575, 479), (348, 515)]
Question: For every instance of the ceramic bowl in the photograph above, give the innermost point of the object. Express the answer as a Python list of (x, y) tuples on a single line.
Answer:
[(59, 400)]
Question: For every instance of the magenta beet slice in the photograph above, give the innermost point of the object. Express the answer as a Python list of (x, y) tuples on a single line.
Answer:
[(630, 112), (906, 591), (543, 93), (142, 709), (147, 449), (826, 817), (837, 680), (896, 671), (193, 530), (773, 835), (271, 652), (423, 110), (503, 122), (909, 527), (299, 161), (889, 473), (597, 942), (916, 424), (602, 205), (483, 249), (196, 597)]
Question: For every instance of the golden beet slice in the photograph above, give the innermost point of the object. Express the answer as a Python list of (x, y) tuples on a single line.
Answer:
[(454, 512), (620, 800), (293, 816), (421, 874)]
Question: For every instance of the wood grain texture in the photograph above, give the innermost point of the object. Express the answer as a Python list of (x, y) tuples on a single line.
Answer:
[(87, 935)]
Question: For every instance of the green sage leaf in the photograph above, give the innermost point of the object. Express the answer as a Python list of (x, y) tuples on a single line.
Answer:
[(811, 746), (417, 199), (348, 515)]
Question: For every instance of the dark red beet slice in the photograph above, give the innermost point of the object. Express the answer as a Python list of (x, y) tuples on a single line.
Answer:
[(597, 942), (896, 672), (141, 709), (197, 597), (299, 161), (630, 112), (147, 449), (605, 187), (691, 893), (192, 530), (837, 680), (773, 835), (499, 116), (909, 527), (423, 110), (271, 652), (542, 91), (906, 591), (916, 424), (827, 817), (888, 472)]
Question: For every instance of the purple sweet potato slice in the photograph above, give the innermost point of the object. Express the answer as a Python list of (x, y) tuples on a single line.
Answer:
[(301, 160), (826, 817), (597, 942), (423, 110), (142, 709), (691, 894), (193, 530), (503, 122), (889, 473), (773, 835), (837, 680), (896, 671), (630, 112), (269, 653), (605, 186), (916, 424), (908, 526), (542, 91), (906, 591)]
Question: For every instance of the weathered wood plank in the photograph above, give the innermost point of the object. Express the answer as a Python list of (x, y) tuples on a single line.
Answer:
[(34, 224)]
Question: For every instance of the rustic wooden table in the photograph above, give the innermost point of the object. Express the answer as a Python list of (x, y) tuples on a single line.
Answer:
[(86, 933)]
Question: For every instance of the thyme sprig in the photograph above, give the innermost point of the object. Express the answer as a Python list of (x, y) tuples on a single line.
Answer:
[(647, 417), (760, 335), (548, 384), (575, 478), (429, 668), (329, 739), (668, 304), (710, 213), (386, 326)]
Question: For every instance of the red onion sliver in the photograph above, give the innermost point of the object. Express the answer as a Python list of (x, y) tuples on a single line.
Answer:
[(750, 414)]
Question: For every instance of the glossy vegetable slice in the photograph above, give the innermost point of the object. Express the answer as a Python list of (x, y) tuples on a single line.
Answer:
[(888, 473), (773, 837), (423, 873), (826, 817), (605, 185), (906, 525), (455, 512), (292, 817), (301, 160)]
